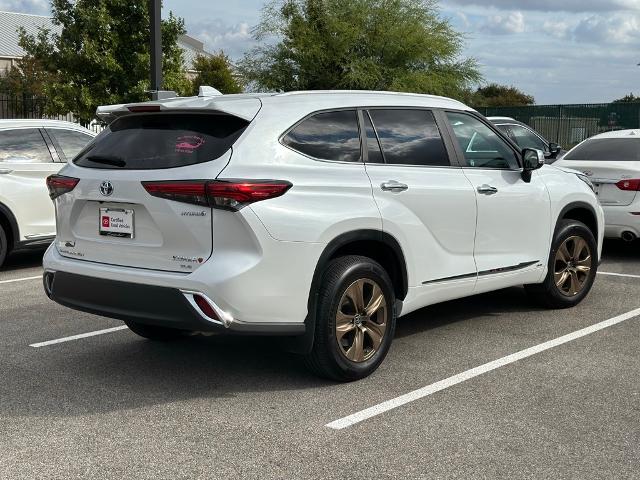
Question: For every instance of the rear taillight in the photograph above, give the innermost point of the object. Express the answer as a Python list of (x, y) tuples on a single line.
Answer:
[(59, 184), (225, 194), (632, 185)]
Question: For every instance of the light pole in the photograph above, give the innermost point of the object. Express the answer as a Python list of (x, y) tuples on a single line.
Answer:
[(155, 7)]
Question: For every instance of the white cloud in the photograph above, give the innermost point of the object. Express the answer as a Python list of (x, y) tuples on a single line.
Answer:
[(36, 7), (555, 5), (509, 23), (217, 35), (615, 29)]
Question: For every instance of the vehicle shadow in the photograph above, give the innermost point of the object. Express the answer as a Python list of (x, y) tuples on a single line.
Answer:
[(121, 371), (618, 250), (22, 260)]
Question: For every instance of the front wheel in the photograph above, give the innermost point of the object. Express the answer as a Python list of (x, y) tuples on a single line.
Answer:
[(355, 319), (572, 267)]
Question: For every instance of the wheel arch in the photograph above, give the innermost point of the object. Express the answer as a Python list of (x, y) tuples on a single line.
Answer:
[(10, 225), (376, 244), (581, 211)]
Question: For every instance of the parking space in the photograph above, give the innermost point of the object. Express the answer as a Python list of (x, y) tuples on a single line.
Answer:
[(116, 406)]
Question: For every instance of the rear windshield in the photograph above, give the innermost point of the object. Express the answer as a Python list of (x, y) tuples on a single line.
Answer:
[(143, 142), (607, 149)]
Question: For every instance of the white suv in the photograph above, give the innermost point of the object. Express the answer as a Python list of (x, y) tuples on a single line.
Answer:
[(30, 150), (316, 216)]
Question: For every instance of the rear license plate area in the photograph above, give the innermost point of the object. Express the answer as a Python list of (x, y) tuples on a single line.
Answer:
[(116, 222)]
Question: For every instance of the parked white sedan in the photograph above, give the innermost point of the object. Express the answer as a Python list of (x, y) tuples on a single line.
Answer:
[(612, 161), (30, 150)]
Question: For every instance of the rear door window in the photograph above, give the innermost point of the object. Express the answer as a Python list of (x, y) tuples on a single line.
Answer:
[(155, 141), (409, 137), (24, 145), (327, 136), (607, 149), (70, 142)]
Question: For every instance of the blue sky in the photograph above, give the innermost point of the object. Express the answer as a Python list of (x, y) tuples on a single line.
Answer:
[(560, 51)]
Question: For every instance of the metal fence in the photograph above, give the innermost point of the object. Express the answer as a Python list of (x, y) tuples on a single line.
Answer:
[(568, 125), (29, 107)]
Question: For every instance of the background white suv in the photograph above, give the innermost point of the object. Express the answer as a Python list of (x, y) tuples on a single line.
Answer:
[(318, 216), (30, 150)]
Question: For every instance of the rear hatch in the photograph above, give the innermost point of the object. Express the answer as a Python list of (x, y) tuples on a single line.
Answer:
[(612, 164), (110, 217)]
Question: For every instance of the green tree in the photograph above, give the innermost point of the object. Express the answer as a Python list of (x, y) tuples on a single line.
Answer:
[(401, 45), (26, 78), (215, 71), (495, 95), (101, 55), (631, 98)]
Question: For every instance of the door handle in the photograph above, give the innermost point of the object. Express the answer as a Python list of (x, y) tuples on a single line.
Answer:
[(5, 171), (487, 189), (393, 186)]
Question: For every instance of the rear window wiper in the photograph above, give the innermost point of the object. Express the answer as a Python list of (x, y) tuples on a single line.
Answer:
[(107, 160)]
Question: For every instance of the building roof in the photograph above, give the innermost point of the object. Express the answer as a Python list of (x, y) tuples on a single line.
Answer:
[(10, 22)]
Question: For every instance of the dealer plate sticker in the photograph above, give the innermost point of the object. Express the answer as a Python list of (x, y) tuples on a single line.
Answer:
[(115, 222)]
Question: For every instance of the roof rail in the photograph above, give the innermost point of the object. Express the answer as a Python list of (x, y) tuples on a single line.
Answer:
[(207, 91)]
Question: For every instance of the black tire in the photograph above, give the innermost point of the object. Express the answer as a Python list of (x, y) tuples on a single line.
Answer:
[(153, 332), (548, 293), (4, 246), (328, 358)]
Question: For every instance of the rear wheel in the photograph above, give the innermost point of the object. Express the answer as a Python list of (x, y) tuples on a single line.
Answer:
[(4, 246), (355, 320), (572, 267), (153, 332)]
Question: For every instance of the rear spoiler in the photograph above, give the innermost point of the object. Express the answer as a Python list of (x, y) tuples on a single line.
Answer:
[(239, 106)]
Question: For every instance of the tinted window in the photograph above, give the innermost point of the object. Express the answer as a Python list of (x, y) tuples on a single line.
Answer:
[(410, 137), (71, 142), (142, 142), (481, 146), (525, 138), (23, 145), (607, 149), (373, 146), (327, 136)]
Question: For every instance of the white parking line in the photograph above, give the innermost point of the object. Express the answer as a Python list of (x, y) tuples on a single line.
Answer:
[(619, 274), (21, 279), (474, 372), (77, 337)]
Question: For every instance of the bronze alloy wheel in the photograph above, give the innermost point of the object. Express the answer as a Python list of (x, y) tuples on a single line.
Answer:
[(572, 266), (361, 320)]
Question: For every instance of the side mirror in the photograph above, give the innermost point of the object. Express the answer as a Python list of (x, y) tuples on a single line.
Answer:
[(532, 159), (554, 150)]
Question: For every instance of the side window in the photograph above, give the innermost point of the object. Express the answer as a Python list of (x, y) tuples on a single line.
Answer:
[(373, 146), (525, 138), (327, 136), (410, 137), (481, 146), (70, 141), (23, 145)]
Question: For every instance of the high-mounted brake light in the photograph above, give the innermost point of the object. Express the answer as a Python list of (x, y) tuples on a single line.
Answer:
[(144, 108), (630, 185), (59, 185), (224, 194)]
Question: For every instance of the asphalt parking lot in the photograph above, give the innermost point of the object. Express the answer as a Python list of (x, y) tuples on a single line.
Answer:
[(117, 406)]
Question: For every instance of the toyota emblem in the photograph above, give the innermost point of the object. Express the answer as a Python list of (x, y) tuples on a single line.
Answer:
[(106, 188)]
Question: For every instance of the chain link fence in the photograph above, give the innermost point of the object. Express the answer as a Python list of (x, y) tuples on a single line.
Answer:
[(568, 125)]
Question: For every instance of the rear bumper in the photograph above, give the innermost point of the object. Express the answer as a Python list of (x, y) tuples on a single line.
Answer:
[(147, 304), (620, 219)]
